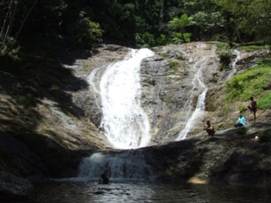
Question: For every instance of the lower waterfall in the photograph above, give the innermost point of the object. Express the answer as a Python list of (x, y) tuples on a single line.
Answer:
[(127, 165)]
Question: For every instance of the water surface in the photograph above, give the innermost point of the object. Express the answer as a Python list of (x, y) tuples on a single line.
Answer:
[(78, 192)]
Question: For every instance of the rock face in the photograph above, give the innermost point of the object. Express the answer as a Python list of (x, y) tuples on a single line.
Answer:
[(169, 94), (44, 131), (91, 70), (223, 116), (231, 157), (168, 97), (50, 117), (12, 186)]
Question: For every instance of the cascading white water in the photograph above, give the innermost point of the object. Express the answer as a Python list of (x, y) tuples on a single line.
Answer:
[(125, 123), (198, 83), (237, 53), (123, 166)]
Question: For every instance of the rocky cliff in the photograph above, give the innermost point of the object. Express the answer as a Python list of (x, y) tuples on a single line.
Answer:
[(50, 116)]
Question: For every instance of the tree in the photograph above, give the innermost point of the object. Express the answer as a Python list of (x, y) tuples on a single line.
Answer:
[(177, 25)]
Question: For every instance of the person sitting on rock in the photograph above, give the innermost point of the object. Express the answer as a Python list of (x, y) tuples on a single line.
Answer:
[(241, 121), (209, 128), (253, 107)]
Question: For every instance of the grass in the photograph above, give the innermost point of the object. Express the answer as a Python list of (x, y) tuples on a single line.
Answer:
[(254, 82), (265, 101), (222, 47), (250, 48)]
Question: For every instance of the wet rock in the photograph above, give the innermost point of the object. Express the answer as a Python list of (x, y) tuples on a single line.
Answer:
[(13, 187), (230, 157), (168, 95)]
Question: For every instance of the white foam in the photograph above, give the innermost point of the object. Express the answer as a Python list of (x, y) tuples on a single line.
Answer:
[(125, 123)]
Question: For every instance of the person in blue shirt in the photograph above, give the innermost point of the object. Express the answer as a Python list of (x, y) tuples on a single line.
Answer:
[(241, 122)]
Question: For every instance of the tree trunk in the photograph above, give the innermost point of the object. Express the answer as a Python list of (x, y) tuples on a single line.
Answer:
[(3, 28), (25, 19), (161, 19)]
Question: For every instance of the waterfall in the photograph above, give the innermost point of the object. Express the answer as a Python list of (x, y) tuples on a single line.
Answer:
[(125, 123), (237, 53), (198, 84), (127, 165)]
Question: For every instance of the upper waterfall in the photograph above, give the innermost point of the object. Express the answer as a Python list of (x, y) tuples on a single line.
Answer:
[(125, 123)]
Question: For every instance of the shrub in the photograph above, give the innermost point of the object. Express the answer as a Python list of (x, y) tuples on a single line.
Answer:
[(176, 38), (145, 39), (187, 37), (9, 49), (225, 59), (87, 33), (224, 54)]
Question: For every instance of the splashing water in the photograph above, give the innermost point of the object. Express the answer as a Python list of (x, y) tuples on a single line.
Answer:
[(127, 165), (125, 123), (198, 83)]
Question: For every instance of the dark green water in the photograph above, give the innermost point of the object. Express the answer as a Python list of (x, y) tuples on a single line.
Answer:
[(76, 192)]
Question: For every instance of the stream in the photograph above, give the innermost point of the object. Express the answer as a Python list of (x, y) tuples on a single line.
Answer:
[(84, 192)]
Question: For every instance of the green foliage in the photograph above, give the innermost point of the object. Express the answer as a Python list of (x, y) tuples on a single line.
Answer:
[(264, 101), (225, 59), (136, 23), (145, 39), (176, 37), (187, 37), (208, 20), (162, 40), (222, 47), (9, 49), (253, 82), (87, 33), (251, 18), (179, 23), (173, 64), (250, 48), (177, 26), (242, 109), (224, 53)]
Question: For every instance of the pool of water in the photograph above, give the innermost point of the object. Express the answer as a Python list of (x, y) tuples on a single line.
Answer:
[(79, 192)]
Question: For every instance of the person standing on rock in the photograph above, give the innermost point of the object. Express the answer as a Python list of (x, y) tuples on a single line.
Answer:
[(209, 128), (253, 107)]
